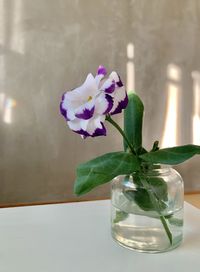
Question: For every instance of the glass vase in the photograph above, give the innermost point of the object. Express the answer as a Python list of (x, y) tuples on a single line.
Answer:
[(147, 210)]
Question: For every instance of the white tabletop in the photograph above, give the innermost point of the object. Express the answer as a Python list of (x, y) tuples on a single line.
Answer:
[(76, 237)]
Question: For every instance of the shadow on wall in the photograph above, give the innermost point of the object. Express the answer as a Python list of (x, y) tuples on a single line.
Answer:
[(48, 47)]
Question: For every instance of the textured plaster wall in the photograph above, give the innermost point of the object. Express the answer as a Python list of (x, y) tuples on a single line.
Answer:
[(47, 47)]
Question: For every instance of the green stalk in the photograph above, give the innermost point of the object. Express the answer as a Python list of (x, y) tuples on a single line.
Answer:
[(169, 234), (111, 121)]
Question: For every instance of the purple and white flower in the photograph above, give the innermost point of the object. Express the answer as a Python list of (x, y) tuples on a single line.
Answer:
[(85, 108)]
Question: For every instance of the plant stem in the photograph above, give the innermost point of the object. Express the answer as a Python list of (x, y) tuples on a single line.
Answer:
[(152, 194), (155, 201), (169, 234), (110, 120)]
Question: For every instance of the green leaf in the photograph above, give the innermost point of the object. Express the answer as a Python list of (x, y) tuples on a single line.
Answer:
[(176, 222), (133, 118), (173, 155), (142, 196), (159, 187), (120, 216), (103, 169)]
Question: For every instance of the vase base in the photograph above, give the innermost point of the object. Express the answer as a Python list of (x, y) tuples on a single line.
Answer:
[(145, 247)]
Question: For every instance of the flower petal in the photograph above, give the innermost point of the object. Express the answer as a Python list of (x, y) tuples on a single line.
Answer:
[(64, 110), (79, 95), (92, 127), (74, 103), (120, 100), (85, 112), (76, 126), (101, 70), (103, 103), (98, 79), (99, 131), (114, 76), (108, 86), (83, 133), (95, 126)]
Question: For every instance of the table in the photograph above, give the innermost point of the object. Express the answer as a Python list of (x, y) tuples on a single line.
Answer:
[(75, 237), (193, 199)]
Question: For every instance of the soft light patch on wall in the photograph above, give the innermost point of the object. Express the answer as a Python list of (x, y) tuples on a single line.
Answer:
[(196, 107), (171, 120), (130, 69), (6, 108)]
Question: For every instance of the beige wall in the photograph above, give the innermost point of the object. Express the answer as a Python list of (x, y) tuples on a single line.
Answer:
[(47, 47)]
